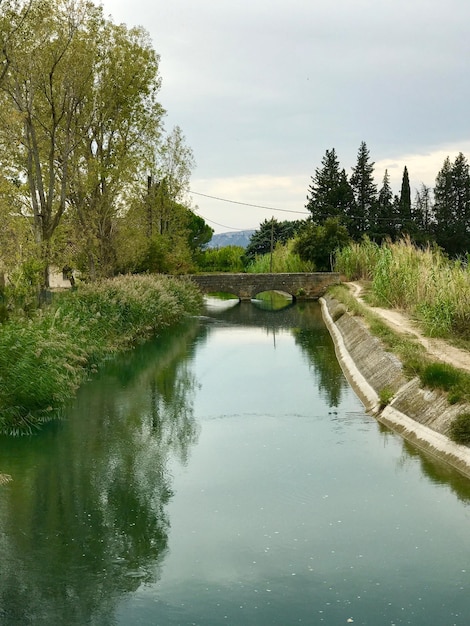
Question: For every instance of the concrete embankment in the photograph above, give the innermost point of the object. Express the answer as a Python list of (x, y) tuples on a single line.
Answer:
[(420, 415)]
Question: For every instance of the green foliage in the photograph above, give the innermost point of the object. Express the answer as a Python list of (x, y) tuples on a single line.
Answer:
[(318, 243), (226, 259), (43, 360), (385, 396), (452, 206), (283, 259), (357, 261), (23, 288), (422, 282), (199, 233), (365, 194), (444, 376), (329, 194), (269, 234), (383, 223), (460, 429), (406, 223)]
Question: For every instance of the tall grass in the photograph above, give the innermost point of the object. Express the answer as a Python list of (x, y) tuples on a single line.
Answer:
[(358, 260), (44, 359), (423, 282), (283, 259)]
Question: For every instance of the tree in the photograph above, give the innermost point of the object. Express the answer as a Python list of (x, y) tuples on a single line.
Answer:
[(365, 194), (318, 242), (383, 225), (405, 217), (269, 233), (119, 140), (330, 194), (174, 161), (452, 206), (199, 233), (43, 94), (422, 214)]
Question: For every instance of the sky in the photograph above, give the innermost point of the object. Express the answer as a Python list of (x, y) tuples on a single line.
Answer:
[(262, 88)]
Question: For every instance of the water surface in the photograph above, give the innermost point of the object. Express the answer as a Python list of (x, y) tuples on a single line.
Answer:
[(227, 474)]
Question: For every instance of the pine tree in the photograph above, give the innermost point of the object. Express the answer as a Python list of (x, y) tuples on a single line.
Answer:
[(422, 214), (365, 194), (384, 224), (330, 194), (452, 206)]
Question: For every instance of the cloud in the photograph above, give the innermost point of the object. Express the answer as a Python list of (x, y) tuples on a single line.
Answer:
[(262, 88), (422, 167)]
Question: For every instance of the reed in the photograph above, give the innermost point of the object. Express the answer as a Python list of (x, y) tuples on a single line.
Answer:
[(44, 359), (422, 282), (283, 259), (358, 261)]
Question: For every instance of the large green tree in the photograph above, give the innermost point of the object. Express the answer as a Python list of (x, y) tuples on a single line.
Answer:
[(318, 243), (269, 233), (329, 194), (43, 101), (365, 193), (120, 138), (452, 206)]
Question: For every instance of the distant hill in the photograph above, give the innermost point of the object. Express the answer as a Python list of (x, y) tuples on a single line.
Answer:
[(237, 238)]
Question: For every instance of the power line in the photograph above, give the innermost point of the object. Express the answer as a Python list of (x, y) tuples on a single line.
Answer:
[(375, 218), (256, 206), (217, 223)]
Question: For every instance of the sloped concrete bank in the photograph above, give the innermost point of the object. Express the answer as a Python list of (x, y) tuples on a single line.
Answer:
[(421, 416)]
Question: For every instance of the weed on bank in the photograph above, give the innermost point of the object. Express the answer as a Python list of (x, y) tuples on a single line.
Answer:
[(44, 359)]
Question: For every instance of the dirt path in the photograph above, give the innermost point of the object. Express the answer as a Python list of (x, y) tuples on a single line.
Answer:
[(400, 322)]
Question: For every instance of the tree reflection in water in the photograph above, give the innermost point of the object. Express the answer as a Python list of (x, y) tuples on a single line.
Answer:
[(84, 520)]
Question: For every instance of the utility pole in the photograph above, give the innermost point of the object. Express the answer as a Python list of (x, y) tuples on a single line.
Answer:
[(272, 245)]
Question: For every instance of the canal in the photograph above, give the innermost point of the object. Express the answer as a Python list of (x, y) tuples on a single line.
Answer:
[(228, 474)]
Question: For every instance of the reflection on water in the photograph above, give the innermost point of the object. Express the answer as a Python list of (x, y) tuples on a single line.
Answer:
[(226, 473), (85, 518)]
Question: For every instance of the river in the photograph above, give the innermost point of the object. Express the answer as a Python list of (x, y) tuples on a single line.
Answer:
[(227, 474)]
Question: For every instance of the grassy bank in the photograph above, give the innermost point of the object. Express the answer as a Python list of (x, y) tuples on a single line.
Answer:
[(422, 282), (43, 360)]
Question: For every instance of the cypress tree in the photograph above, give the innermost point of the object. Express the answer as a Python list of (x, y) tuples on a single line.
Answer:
[(405, 222)]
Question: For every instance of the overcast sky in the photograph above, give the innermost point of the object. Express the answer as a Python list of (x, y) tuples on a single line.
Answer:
[(262, 88)]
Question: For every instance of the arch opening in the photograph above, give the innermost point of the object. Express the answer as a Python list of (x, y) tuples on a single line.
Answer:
[(273, 300)]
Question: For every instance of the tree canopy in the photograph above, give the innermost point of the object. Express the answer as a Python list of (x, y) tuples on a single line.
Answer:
[(81, 130)]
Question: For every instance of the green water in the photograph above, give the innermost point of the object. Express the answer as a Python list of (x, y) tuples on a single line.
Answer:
[(228, 475)]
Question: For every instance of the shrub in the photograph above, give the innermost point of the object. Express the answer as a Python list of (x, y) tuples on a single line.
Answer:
[(460, 429), (385, 396)]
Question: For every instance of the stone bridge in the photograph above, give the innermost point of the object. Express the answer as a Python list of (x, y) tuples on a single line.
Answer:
[(301, 286)]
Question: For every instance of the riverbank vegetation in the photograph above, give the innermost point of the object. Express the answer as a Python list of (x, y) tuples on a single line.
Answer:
[(44, 358), (424, 282)]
